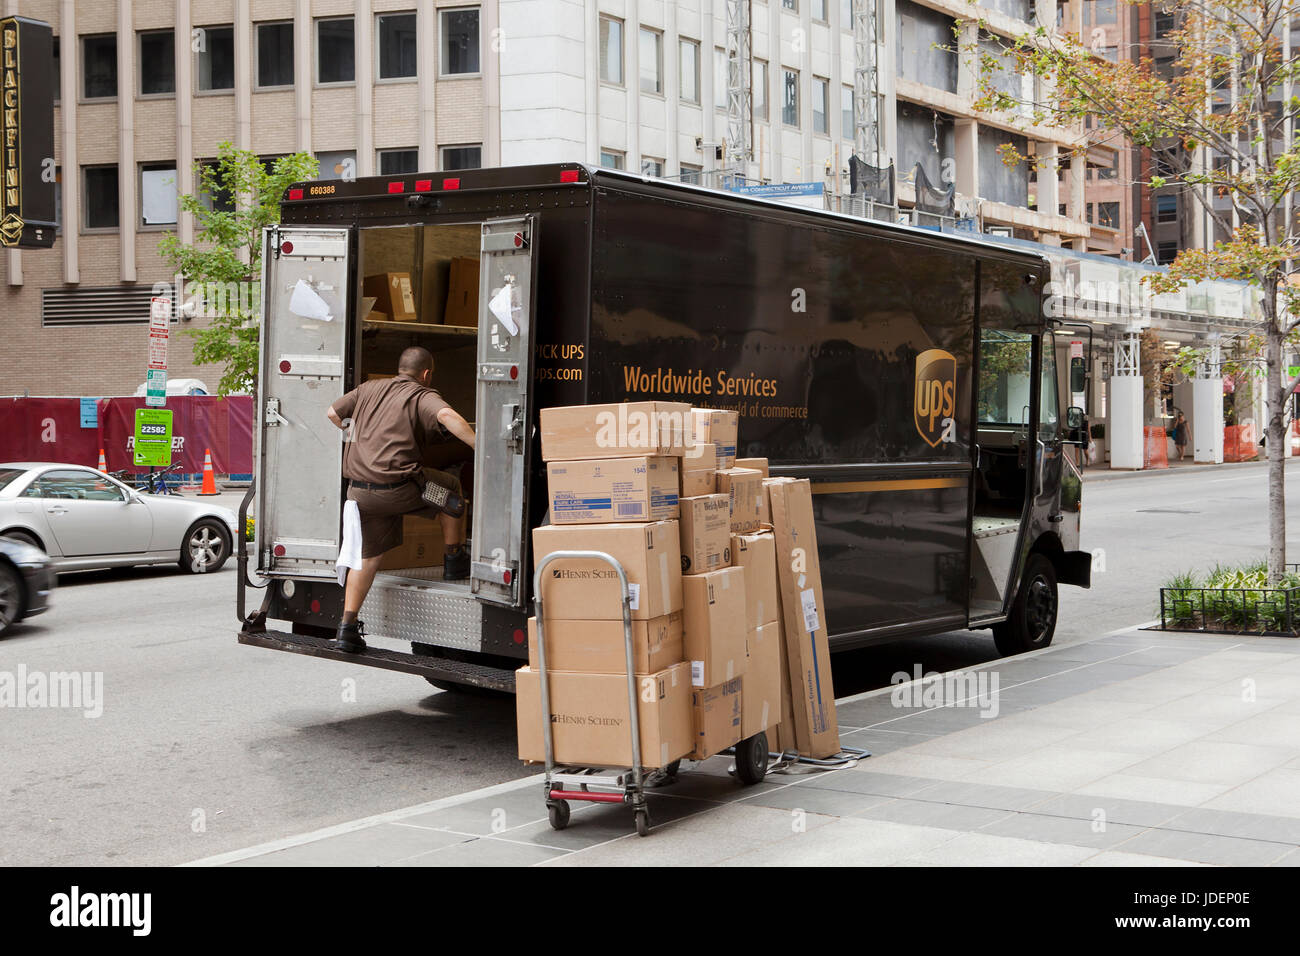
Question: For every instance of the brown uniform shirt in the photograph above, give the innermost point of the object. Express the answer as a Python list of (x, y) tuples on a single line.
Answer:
[(391, 419)]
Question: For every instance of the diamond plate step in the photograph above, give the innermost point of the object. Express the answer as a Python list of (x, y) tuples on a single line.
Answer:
[(437, 668)]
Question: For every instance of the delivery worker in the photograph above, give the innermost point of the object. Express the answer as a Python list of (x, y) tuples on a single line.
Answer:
[(389, 421)]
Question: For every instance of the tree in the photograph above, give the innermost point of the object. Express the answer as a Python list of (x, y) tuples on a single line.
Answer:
[(238, 196), (1227, 50)]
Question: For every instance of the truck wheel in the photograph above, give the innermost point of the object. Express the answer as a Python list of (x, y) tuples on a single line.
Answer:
[(751, 759), (1033, 615)]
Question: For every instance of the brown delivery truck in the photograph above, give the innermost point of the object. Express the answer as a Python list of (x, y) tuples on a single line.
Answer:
[(909, 374)]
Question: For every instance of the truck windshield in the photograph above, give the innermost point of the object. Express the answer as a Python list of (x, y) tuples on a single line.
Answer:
[(1006, 365)]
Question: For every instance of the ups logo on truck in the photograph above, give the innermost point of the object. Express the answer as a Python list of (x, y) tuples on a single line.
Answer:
[(936, 396)]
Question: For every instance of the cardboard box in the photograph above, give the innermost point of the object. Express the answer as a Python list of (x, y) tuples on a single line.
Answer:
[(715, 426), (716, 716), (705, 533), (590, 718), (744, 486), (804, 608), (713, 619), (755, 554), (596, 491), (421, 547), (758, 464), (699, 471), (761, 698), (623, 430), (393, 295), (598, 647), (588, 590), (462, 292)]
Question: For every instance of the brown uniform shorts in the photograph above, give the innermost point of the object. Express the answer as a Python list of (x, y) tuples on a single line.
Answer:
[(382, 510)]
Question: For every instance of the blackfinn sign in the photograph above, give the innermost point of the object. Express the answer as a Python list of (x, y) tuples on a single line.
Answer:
[(27, 134)]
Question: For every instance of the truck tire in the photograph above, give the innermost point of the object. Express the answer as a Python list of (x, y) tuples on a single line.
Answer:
[(1032, 621)]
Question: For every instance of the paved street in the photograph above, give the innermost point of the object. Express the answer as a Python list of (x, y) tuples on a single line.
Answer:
[(206, 747)]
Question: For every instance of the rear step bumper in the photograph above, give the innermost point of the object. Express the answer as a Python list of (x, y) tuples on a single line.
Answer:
[(435, 668)]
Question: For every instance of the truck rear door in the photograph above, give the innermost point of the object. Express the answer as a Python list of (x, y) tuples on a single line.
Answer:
[(304, 341), (499, 537)]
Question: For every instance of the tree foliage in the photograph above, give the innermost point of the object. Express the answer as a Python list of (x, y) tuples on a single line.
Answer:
[(237, 197)]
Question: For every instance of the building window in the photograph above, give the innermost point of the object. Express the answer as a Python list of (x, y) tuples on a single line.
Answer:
[(462, 157), (274, 54), (791, 5), (847, 128), (1103, 11), (1108, 215), (157, 63), (691, 174), (652, 61), (611, 50), (1089, 208), (58, 200), (336, 56), (459, 41), (213, 193), (819, 11), (790, 99), (101, 197), (1166, 209), (58, 72), (846, 15), (1166, 252), (1111, 171), (652, 167), (215, 69), (338, 164), (99, 67), (1110, 53), (688, 60), (760, 89), (1163, 23), (398, 162), (395, 34), (720, 78), (821, 105), (611, 159), (1165, 70), (157, 195)]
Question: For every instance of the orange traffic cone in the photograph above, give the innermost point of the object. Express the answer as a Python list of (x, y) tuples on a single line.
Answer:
[(209, 478), (103, 465)]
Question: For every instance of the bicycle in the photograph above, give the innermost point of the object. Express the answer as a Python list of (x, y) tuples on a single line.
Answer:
[(154, 483)]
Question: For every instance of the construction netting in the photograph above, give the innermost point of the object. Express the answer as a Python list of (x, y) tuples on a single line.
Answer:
[(1240, 443), (1156, 448)]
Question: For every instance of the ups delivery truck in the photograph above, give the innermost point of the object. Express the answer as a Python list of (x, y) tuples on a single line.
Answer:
[(910, 375)]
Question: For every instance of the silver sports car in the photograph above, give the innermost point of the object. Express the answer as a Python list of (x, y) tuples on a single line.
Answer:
[(84, 519)]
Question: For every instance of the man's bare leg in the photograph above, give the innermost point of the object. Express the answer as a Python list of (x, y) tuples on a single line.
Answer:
[(453, 529), (358, 586)]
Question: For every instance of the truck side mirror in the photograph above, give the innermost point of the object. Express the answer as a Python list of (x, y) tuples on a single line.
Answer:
[(1076, 426)]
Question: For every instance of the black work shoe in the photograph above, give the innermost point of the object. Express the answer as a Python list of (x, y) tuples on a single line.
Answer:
[(440, 496), (348, 639), (455, 567)]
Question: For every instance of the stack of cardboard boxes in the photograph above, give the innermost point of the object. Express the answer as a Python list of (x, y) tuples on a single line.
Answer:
[(693, 529)]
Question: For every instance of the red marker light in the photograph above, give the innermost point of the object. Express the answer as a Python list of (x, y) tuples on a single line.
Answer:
[(284, 367), (295, 193), (423, 185), (568, 175), (315, 607), (519, 636), (506, 577), (279, 551), (397, 187), (514, 371), (519, 239), (451, 184), (286, 247)]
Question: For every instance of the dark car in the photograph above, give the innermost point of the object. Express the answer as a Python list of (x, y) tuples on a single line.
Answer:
[(26, 580)]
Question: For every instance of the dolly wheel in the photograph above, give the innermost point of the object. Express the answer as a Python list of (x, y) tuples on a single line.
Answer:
[(751, 759), (558, 811), (642, 822), (671, 770)]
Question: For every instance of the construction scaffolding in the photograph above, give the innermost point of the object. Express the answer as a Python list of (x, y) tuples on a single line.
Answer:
[(739, 142)]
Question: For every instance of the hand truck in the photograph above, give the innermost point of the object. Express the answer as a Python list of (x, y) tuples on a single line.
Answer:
[(596, 785)]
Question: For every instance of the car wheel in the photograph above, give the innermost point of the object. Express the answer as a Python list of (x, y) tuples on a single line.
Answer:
[(11, 597), (205, 548)]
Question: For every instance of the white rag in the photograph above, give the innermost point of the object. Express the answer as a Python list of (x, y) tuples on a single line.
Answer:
[(350, 550)]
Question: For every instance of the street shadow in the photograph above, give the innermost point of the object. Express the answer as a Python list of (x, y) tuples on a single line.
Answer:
[(870, 668)]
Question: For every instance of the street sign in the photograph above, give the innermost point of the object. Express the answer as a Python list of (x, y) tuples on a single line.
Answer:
[(155, 391), (153, 437), (90, 413), (160, 316)]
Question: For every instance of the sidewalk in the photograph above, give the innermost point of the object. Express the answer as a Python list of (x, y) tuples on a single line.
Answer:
[(1106, 473), (1140, 748)]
